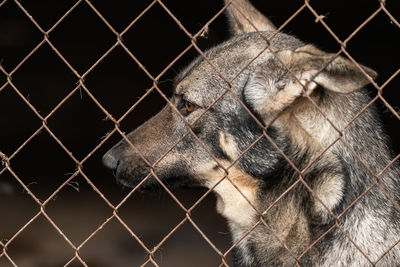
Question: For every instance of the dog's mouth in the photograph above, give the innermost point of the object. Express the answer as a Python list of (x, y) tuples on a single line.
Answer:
[(144, 181), (146, 184), (130, 175), (135, 173)]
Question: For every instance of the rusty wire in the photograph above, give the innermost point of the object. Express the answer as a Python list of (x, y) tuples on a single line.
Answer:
[(7, 166)]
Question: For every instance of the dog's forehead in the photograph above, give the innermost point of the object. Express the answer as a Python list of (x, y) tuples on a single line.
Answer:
[(226, 64)]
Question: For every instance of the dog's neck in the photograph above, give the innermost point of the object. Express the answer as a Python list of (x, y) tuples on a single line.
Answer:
[(289, 224)]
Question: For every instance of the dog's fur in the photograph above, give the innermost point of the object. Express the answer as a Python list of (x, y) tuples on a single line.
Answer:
[(299, 92)]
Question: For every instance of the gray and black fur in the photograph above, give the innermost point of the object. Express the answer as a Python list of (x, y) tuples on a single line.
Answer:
[(281, 88)]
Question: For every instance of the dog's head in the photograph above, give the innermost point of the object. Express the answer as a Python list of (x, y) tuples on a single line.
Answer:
[(221, 103)]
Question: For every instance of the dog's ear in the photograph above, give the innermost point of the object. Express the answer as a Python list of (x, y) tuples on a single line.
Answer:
[(242, 15), (273, 87), (333, 73)]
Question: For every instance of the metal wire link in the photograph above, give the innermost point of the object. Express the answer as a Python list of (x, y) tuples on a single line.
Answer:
[(119, 42)]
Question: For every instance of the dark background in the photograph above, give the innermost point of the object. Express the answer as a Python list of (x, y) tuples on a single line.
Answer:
[(117, 82)]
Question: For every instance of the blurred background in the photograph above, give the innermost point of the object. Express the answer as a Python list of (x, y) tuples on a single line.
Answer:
[(117, 82)]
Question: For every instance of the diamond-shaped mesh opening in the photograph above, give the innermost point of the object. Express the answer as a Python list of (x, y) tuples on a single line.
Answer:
[(335, 12), (392, 237), (102, 180), (377, 33), (316, 31), (82, 43), (46, 21), (156, 222), (392, 122), (150, 103), (113, 246), (66, 214), (390, 115), (120, 14), (23, 207), (18, 36), (145, 37), (118, 74), (212, 224), (43, 165), (40, 245), (166, 81), (361, 116), (55, 80), (77, 113), (14, 111), (201, 14), (187, 241)]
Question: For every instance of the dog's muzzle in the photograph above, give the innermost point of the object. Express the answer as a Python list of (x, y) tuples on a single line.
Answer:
[(110, 161)]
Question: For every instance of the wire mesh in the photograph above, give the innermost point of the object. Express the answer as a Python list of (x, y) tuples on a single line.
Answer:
[(120, 43)]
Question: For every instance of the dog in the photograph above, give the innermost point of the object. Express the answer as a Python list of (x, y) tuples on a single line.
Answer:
[(276, 129)]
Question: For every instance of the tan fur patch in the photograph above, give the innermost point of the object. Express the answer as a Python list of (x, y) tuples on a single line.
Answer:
[(298, 133), (228, 145), (308, 127), (230, 193), (330, 192), (282, 99)]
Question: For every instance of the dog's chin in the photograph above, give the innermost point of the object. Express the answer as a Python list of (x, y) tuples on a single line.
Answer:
[(152, 185), (149, 185)]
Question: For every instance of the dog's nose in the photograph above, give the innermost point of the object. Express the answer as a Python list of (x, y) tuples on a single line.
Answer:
[(110, 161)]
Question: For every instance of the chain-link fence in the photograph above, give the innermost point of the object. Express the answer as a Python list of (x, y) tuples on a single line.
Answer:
[(75, 77)]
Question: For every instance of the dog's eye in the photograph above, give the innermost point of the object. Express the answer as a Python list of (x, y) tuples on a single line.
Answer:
[(187, 108)]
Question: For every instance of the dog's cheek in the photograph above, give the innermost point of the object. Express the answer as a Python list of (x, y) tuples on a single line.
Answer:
[(178, 168)]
